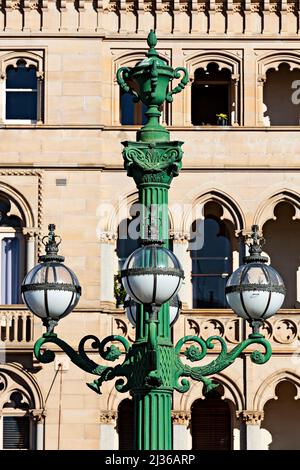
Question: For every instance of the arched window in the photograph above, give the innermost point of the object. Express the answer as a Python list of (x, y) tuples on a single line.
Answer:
[(281, 97), (12, 259), (282, 417), (285, 256), (17, 429), (211, 423), (131, 113), (212, 96), (125, 425), (21, 93), (212, 258)]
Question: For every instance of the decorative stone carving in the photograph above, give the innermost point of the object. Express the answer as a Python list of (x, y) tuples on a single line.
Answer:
[(112, 7), (212, 327), (34, 5), (123, 325), (108, 417), (108, 237), (237, 7), (30, 232), (219, 8), (166, 7), (251, 417), (255, 7), (181, 417), (130, 7), (148, 7), (184, 7), (38, 414), (273, 8), (291, 8), (3, 383), (285, 331), (15, 5), (202, 7), (179, 237), (194, 325)]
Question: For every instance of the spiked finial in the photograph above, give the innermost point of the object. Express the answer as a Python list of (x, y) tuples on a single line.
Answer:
[(255, 248), (51, 246)]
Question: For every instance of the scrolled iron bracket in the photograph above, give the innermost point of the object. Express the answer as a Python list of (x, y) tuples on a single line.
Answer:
[(224, 359), (82, 360)]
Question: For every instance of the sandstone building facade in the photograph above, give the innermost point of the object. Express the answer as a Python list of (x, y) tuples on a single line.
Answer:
[(62, 121)]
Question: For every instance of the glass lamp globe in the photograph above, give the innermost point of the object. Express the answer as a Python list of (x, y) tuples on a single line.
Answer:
[(51, 290), (131, 309), (255, 291), (152, 274)]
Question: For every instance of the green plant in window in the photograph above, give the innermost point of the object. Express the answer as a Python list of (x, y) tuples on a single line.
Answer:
[(222, 116), (119, 291)]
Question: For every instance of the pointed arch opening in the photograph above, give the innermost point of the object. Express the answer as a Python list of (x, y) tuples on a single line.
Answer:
[(283, 409), (211, 422), (212, 256), (282, 235), (125, 424)]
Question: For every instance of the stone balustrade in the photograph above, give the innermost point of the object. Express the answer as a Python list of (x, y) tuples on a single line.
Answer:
[(16, 326), (282, 330)]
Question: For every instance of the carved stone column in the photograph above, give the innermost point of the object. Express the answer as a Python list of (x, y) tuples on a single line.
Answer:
[(108, 430), (252, 420), (182, 438), (180, 249), (188, 103), (108, 268), (38, 415), (235, 101), (2, 92), (261, 79), (29, 234)]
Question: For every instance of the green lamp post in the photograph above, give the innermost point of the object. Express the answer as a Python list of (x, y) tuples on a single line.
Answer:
[(152, 368)]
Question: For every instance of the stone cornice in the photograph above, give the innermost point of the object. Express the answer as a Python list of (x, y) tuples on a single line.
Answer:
[(98, 18)]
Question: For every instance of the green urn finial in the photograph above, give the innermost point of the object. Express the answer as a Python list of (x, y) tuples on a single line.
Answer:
[(151, 77), (152, 41)]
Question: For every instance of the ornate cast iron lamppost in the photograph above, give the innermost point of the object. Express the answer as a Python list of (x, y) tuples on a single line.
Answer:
[(151, 368)]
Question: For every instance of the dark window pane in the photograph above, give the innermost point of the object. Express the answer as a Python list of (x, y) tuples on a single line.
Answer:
[(132, 113), (211, 266), (127, 109), (15, 432), (21, 105), (211, 425), (21, 77), (10, 271), (125, 425), (208, 101)]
